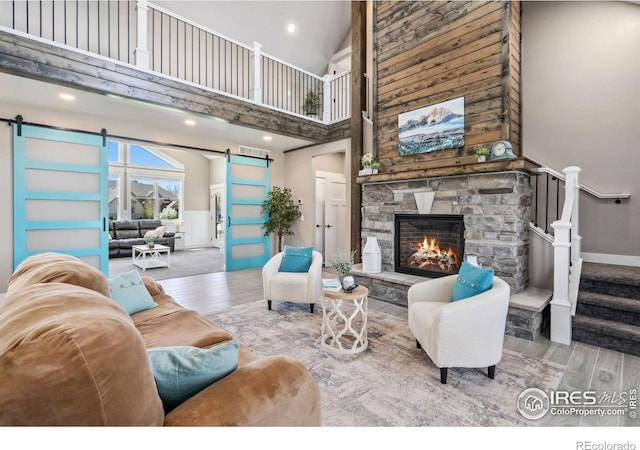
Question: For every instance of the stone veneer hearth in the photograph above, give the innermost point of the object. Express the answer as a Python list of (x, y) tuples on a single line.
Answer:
[(495, 207)]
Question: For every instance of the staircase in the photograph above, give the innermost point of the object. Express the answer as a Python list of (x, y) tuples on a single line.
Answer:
[(608, 309)]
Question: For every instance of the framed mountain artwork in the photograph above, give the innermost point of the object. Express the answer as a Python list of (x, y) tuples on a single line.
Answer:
[(432, 128)]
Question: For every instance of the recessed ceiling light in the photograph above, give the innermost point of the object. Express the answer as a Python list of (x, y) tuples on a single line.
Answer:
[(266, 138), (67, 97), (291, 28), (190, 122)]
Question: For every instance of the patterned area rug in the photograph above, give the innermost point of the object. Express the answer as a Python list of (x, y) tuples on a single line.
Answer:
[(392, 383)]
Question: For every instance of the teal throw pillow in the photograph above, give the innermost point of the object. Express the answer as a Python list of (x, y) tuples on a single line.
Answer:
[(472, 280), (182, 371), (128, 291), (296, 259)]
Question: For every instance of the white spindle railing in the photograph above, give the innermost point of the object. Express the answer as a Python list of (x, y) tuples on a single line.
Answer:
[(567, 260), (154, 39)]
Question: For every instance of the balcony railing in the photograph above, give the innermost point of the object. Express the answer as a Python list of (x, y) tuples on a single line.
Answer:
[(152, 38)]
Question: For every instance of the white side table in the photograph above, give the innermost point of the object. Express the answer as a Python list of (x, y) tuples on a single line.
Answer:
[(148, 258), (344, 321)]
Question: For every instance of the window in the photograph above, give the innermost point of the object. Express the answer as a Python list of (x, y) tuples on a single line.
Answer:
[(114, 197), (143, 183)]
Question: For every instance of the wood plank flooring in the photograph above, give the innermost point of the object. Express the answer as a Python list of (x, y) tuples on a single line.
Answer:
[(585, 367)]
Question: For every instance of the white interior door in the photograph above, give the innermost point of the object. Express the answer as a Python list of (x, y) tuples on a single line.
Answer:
[(334, 217), (319, 211)]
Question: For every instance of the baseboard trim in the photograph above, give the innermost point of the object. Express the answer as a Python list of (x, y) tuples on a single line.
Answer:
[(604, 258)]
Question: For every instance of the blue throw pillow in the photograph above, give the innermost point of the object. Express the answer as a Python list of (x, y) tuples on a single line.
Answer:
[(472, 280), (129, 292), (296, 259), (181, 372)]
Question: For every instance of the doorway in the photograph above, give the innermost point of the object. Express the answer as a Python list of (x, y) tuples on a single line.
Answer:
[(216, 215), (331, 213)]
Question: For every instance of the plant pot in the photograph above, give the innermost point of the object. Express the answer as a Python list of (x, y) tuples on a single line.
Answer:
[(482, 158), (366, 171), (347, 281), (150, 245)]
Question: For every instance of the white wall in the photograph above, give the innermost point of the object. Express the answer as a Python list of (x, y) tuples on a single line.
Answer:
[(300, 170), (580, 106)]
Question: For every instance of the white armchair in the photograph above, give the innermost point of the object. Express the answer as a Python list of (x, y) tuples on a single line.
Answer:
[(292, 286), (464, 333)]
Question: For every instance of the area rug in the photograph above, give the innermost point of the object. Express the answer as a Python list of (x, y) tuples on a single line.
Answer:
[(185, 263), (392, 383)]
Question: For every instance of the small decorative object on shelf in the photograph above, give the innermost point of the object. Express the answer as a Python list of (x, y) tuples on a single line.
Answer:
[(149, 240), (342, 263), (369, 165), (482, 154), (501, 150)]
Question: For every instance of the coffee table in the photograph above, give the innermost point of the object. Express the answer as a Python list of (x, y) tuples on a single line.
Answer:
[(149, 258), (344, 321)]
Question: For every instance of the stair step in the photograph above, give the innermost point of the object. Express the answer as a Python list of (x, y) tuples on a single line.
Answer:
[(612, 335), (608, 307), (615, 280)]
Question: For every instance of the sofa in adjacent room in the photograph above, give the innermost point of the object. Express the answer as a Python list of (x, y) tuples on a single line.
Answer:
[(124, 234), (71, 355)]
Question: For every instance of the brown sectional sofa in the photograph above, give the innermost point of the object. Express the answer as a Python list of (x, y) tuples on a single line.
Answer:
[(70, 355), (124, 234)]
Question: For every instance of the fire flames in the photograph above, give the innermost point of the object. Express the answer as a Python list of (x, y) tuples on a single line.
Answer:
[(428, 255)]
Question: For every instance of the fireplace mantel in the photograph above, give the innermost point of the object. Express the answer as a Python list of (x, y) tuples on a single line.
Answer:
[(458, 166)]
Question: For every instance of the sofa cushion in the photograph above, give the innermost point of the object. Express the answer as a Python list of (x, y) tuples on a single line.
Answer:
[(71, 356), (48, 267), (472, 280), (181, 327), (296, 259), (182, 372), (128, 291)]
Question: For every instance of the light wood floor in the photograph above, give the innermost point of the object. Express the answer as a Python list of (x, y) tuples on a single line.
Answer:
[(585, 367)]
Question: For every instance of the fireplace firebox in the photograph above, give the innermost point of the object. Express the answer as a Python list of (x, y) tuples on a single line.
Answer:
[(429, 245)]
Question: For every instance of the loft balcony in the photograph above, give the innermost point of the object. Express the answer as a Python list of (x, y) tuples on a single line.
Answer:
[(139, 50)]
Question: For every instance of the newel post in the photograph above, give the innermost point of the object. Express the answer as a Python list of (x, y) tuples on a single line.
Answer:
[(560, 305), (327, 95), (255, 90), (141, 53)]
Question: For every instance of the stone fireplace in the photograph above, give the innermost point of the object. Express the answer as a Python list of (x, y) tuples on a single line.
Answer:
[(495, 213), (430, 245)]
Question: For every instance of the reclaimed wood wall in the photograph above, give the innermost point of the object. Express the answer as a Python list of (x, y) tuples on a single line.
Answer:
[(428, 52)]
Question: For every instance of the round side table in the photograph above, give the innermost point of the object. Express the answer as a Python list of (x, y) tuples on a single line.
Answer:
[(344, 321)]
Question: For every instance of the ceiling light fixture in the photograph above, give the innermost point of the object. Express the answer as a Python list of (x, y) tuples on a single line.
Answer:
[(190, 122), (266, 138), (67, 97), (291, 28)]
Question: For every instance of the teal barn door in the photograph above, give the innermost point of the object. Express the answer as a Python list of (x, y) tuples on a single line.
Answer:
[(60, 186), (246, 246)]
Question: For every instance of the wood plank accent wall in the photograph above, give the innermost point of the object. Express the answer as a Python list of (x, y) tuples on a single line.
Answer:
[(33, 59), (433, 51)]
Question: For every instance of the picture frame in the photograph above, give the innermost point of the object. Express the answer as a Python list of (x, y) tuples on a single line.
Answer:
[(431, 128)]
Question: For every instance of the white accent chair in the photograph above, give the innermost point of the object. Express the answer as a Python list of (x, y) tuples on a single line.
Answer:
[(293, 287), (465, 333)]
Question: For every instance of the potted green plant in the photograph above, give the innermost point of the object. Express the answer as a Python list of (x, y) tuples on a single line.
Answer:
[(482, 154), (150, 241), (281, 213), (342, 263), (311, 103), (375, 166), (368, 164)]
